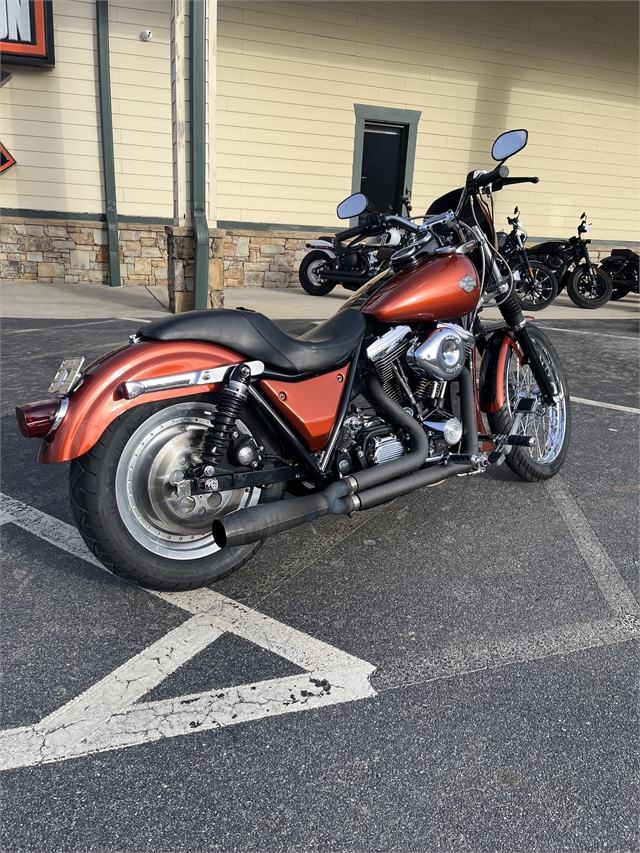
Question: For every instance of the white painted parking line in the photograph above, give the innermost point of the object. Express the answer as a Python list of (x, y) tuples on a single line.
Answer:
[(612, 585), (599, 334), (109, 716), (105, 717), (602, 405), (480, 656)]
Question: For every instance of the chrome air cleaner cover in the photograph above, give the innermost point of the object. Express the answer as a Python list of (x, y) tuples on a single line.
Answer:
[(442, 353)]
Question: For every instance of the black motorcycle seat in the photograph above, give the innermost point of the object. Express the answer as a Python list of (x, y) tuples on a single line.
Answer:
[(255, 336), (629, 254)]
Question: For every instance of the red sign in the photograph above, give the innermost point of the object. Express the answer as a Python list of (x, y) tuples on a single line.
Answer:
[(6, 160), (26, 32)]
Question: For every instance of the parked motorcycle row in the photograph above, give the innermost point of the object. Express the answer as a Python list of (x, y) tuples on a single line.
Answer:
[(540, 273)]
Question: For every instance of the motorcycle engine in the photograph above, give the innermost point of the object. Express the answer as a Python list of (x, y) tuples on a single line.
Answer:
[(415, 373)]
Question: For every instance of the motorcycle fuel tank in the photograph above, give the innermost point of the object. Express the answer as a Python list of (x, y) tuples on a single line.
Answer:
[(439, 289)]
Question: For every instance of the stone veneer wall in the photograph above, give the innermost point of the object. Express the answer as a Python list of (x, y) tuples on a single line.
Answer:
[(69, 251), (272, 258), (263, 258), (60, 251)]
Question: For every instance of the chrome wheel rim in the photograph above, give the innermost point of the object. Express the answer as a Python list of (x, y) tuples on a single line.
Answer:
[(534, 291), (547, 424), (590, 288), (146, 485), (313, 272)]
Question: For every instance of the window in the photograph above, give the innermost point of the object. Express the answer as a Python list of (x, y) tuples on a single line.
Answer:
[(384, 152)]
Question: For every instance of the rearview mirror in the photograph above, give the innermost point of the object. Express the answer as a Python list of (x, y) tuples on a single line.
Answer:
[(352, 206), (509, 143)]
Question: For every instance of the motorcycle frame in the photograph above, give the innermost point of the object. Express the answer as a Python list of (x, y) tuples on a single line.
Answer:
[(99, 399)]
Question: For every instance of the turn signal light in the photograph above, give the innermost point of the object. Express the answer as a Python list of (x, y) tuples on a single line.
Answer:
[(35, 420)]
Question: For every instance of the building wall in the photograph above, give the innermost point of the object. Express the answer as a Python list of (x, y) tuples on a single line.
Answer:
[(141, 104), (51, 121), (290, 73)]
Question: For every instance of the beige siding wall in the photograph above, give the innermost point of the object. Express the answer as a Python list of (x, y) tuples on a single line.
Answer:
[(566, 71), (51, 123), (141, 103)]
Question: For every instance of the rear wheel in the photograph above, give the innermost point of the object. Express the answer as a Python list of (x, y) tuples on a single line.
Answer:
[(131, 511), (550, 426), (537, 287), (587, 290), (620, 293), (311, 274)]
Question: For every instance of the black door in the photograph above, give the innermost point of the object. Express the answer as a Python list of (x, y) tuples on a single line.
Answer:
[(384, 159)]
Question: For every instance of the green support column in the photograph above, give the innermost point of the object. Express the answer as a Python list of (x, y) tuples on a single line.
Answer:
[(198, 152), (106, 128)]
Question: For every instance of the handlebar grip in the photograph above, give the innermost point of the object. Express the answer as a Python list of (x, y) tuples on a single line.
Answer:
[(351, 232), (500, 173), (507, 181)]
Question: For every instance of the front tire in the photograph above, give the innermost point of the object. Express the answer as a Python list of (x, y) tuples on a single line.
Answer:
[(311, 274), (537, 287), (131, 512), (549, 425), (584, 293)]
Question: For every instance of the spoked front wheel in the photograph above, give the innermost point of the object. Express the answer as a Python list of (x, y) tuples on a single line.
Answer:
[(135, 515), (550, 426)]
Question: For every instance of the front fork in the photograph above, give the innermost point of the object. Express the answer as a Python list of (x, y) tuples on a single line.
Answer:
[(514, 318)]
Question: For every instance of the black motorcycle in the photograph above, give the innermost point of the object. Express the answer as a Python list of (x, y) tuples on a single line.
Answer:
[(588, 285), (622, 268), (535, 285), (331, 261)]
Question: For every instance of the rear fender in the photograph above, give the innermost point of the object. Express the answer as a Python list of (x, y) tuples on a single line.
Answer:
[(492, 366), (99, 399), (322, 246)]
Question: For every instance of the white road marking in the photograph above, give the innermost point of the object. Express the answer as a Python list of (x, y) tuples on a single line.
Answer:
[(601, 405), (105, 716), (422, 666), (612, 585), (600, 334)]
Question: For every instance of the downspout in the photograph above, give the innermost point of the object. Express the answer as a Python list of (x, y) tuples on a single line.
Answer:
[(106, 128), (198, 152)]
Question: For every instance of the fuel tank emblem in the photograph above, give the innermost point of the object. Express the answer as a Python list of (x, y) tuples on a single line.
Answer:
[(467, 283)]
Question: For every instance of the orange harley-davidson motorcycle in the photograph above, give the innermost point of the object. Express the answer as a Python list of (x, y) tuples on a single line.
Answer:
[(183, 443)]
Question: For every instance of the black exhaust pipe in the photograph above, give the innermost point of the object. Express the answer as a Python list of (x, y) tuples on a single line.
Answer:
[(362, 490)]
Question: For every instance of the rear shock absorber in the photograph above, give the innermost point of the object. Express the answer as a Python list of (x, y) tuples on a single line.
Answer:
[(216, 441)]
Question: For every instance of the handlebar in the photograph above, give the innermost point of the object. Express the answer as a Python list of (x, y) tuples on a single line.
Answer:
[(362, 228), (375, 224), (500, 173), (505, 182)]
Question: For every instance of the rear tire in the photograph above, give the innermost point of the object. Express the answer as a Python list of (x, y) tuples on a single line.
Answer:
[(583, 293), (549, 425), (310, 274), (134, 519)]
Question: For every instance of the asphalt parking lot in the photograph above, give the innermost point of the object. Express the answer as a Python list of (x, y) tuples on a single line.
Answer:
[(455, 671)]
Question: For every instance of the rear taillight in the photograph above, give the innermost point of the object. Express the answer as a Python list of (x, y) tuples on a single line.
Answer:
[(35, 420)]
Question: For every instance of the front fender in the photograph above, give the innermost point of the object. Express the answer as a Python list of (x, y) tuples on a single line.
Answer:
[(492, 366), (99, 399)]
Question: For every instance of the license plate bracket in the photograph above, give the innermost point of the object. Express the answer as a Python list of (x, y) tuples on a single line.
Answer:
[(67, 377)]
